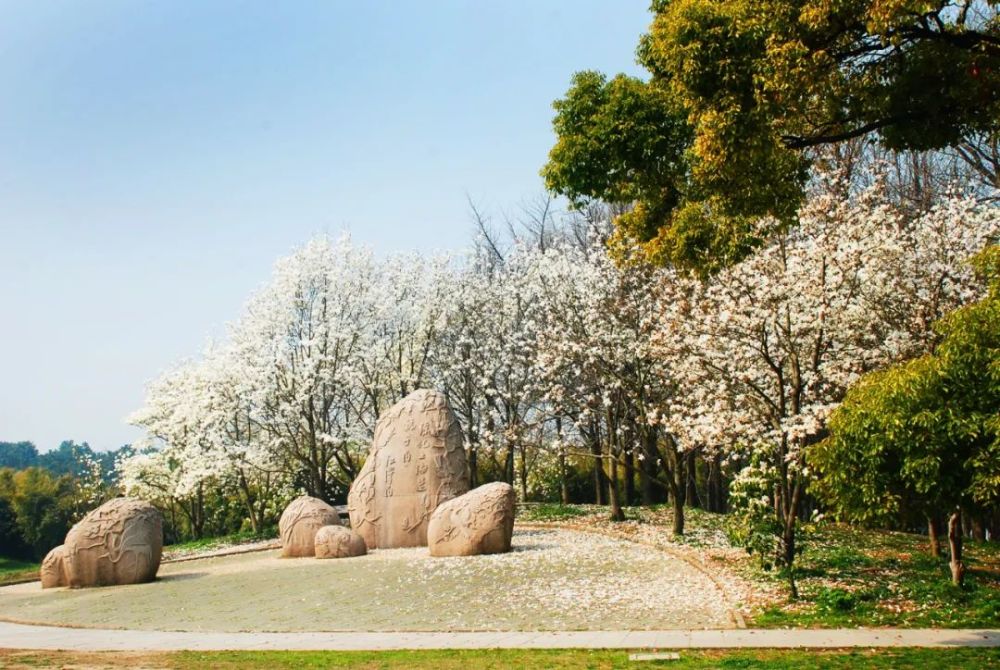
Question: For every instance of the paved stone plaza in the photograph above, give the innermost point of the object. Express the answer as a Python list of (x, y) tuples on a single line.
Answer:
[(553, 580)]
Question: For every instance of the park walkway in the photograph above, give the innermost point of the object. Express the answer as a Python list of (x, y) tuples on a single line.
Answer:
[(20, 636)]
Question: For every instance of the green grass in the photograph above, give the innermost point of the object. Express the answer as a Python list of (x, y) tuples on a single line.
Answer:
[(13, 570), (854, 577), (222, 540), (545, 512), (903, 659)]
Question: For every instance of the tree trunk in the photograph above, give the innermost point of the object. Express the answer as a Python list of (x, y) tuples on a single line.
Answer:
[(563, 478), (524, 472), (933, 530), (789, 547), (714, 486), (616, 508), (508, 469), (691, 486), (678, 514), (630, 478), (600, 479), (648, 487), (955, 545), (978, 529), (563, 474), (678, 491), (473, 468)]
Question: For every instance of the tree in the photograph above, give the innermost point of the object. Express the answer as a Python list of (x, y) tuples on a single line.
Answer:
[(18, 455), (740, 90), (765, 349), (45, 506), (924, 435)]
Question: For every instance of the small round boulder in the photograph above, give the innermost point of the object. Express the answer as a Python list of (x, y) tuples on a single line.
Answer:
[(299, 522), (478, 522), (53, 570), (339, 542)]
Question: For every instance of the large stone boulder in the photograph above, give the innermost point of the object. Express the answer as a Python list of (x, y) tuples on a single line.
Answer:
[(416, 462), (479, 522), (120, 542), (339, 542), (299, 523)]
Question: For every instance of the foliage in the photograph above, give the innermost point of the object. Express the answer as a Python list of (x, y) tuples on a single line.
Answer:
[(553, 354), (738, 89), (43, 505), (18, 455), (752, 522), (923, 435), (765, 349), (69, 458)]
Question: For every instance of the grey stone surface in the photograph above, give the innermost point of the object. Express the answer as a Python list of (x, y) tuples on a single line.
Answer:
[(120, 542), (478, 522), (339, 542), (299, 523), (416, 462), (19, 636)]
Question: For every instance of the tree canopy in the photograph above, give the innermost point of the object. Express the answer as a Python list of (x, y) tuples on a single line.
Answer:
[(923, 436), (739, 90)]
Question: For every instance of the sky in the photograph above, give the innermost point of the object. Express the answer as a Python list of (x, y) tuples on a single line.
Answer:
[(157, 157)]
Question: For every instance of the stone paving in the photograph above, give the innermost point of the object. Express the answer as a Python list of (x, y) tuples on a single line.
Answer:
[(17, 636), (553, 580)]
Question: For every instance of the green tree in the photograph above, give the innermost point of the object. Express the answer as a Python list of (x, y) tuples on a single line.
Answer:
[(18, 455), (740, 89), (44, 506), (925, 434)]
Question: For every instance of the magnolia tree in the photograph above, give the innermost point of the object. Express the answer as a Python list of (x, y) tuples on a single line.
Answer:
[(486, 359), (598, 369), (765, 349), (551, 347)]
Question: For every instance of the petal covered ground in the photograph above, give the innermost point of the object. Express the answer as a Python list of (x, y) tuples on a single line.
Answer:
[(553, 580)]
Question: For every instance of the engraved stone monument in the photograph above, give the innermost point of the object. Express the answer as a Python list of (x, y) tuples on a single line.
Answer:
[(416, 462), (339, 542), (120, 542), (479, 522), (299, 522)]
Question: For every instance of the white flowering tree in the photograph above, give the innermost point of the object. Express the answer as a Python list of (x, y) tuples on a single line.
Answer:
[(765, 349)]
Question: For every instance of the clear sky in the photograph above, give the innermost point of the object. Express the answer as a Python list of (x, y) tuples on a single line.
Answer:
[(156, 157)]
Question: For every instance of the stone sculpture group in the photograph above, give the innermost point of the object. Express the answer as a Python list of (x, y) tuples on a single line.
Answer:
[(413, 491)]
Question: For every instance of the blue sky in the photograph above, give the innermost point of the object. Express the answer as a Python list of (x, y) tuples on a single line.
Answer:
[(157, 157)]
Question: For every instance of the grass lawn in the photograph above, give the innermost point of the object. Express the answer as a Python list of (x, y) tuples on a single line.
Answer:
[(851, 577), (924, 659), (13, 570), (207, 543)]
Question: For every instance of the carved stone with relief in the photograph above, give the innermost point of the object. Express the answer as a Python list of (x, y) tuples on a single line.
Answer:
[(120, 542), (339, 542), (416, 462), (299, 522), (479, 522)]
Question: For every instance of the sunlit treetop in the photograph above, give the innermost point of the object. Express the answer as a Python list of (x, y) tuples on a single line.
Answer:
[(739, 91)]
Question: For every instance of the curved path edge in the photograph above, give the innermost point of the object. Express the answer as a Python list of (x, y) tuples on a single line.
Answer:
[(20, 636)]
